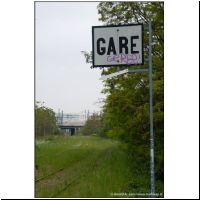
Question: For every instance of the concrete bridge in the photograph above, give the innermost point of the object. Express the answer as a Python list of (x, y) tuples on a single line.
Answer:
[(70, 122), (71, 127)]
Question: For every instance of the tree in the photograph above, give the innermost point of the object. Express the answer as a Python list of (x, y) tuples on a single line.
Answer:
[(45, 121), (126, 108), (94, 125)]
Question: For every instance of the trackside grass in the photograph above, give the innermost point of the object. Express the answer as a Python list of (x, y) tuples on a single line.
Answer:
[(80, 166), (87, 167)]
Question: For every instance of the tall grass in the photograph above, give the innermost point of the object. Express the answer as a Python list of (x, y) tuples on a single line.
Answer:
[(80, 166), (86, 166)]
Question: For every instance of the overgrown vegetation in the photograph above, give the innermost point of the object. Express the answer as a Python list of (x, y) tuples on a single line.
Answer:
[(45, 121), (81, 166), (94, 125)]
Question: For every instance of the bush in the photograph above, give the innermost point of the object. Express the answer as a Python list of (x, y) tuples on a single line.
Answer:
[(94, 125)]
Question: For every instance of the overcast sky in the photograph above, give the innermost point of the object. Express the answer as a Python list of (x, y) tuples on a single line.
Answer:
[(63, 79)]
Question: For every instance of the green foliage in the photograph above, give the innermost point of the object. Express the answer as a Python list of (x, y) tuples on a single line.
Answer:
[(45, 121), (94, 125), (81, 166), (126, 108), (88, 56)]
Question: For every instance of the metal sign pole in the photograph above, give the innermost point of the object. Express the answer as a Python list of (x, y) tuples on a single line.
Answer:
[(152, 176), (118, 73)]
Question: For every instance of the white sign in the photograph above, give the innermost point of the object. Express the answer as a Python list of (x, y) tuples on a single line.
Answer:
[(117, 45)]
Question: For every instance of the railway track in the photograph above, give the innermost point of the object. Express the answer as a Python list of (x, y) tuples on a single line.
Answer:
[(67, 176)]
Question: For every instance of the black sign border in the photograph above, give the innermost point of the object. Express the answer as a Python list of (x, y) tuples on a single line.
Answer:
[(112, 65)]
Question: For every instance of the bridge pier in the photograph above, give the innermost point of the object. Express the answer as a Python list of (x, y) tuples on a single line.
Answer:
[(73, 131)]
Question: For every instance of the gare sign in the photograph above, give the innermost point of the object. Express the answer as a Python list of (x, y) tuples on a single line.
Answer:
[(117, 45)]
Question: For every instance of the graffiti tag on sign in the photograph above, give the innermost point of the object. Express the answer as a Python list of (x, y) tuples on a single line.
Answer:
[(124, 58)]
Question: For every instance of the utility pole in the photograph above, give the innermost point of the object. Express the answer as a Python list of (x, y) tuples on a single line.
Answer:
[(85, 116), (152, 175), (59, 117), (62, 117)]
